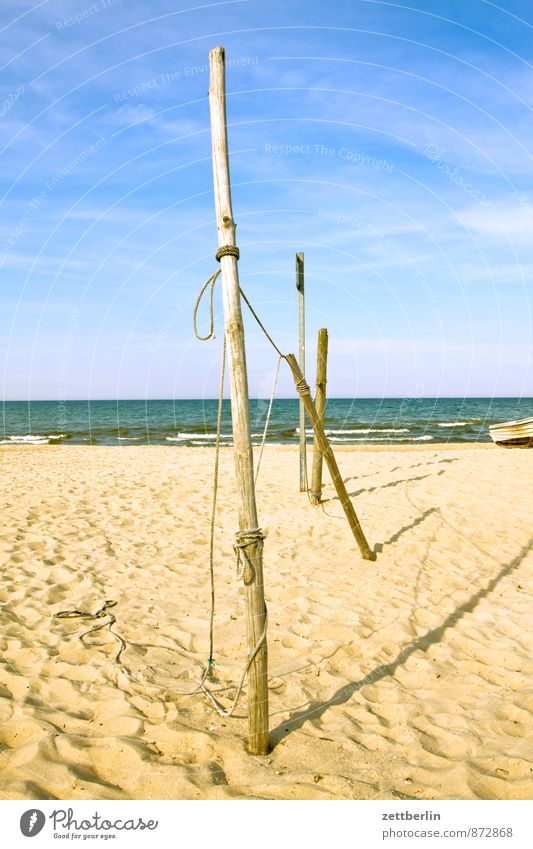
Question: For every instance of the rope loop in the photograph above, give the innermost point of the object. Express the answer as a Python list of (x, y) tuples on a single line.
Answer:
[(227, 250), (224, 250), (211, 335)]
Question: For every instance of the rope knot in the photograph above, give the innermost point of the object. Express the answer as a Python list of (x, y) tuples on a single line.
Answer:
[(227, 250), (242, 540), (303, 387)]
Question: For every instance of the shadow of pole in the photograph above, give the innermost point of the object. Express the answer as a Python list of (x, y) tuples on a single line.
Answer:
[(316, 710), (378, 548), (383, 486)]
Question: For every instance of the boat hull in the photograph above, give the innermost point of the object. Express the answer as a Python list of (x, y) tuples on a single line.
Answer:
[(524, 442), (513, 434)]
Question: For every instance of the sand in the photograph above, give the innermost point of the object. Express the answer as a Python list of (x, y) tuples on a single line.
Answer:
[(409, 677)]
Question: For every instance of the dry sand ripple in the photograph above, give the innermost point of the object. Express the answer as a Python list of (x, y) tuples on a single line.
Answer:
[(408, 677)]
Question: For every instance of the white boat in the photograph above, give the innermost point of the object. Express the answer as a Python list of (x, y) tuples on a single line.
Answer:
[(513, 433)]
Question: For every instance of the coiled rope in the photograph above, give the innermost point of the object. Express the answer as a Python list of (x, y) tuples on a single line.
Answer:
[(102, 612)]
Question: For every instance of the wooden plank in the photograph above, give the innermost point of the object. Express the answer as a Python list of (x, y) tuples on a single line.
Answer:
[(258, 735), (320, 405), (329, 457), (301, 331)]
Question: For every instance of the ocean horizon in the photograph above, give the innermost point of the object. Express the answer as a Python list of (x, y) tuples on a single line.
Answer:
[(192, 422)]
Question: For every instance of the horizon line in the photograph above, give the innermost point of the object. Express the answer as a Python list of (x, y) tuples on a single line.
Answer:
[(281, 398)]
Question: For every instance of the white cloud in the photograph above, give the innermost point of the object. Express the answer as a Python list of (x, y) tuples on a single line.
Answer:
[(509, 219)]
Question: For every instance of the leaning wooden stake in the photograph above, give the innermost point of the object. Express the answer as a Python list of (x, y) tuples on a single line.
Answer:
[(320, 405), (258, 738), (329, 457), (301, 331)]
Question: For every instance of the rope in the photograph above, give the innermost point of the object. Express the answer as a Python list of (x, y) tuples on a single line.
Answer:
[(243, 538), (267, 420), (303, 387), (210, 661), (216, 704), (211, 334), (227, 250), (103, 611), (261, 325)]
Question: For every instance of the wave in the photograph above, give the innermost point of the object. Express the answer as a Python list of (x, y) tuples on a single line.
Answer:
[(209, 437), (203, 444), (369, 430), (33, 439), (185, 437), (353, 439), (452, 424), (341, 431)]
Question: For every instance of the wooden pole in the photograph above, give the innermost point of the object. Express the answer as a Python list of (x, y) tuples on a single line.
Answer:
[(320, 405), (301, 329), (329, 457), (258, 737)]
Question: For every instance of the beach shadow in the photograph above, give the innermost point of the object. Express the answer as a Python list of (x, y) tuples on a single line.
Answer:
[(36, 791), (316, 709), (378, 548), (395, 469), (428, 463), (383, 486)]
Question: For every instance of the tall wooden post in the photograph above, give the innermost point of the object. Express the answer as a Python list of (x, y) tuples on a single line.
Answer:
[(301, 328), (258, 737), (329, 457), (320, 405)]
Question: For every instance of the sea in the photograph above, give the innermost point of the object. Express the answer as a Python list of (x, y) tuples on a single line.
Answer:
[(348, 421)]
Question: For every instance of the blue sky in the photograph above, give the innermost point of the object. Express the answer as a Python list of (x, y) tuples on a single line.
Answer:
[(389, 142)]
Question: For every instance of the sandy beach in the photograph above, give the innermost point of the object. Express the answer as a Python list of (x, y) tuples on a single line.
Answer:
[(409, 677)]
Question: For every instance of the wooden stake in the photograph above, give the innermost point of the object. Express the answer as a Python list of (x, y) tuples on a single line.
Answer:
[(258, 737), (320, 405), (301, 328), (329, 457)]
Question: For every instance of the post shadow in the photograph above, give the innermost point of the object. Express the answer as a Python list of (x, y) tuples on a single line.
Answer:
[(317, 709)]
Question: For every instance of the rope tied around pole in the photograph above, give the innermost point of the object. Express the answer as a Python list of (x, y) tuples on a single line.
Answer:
[(302, 387), (242, 540), (224, 250), (228, 250)]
